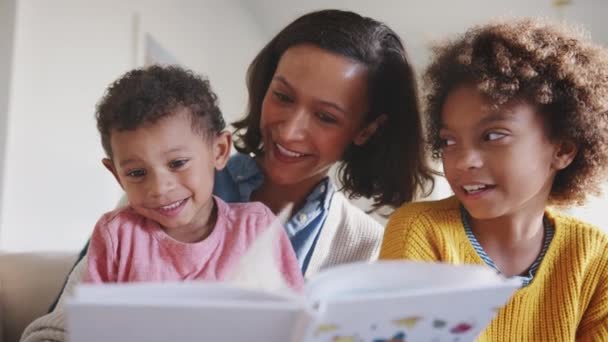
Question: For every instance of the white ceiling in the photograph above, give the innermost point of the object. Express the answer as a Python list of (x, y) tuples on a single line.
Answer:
[(419, 22)]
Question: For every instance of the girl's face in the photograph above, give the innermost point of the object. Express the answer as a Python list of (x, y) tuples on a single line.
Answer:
[(314, 108), (167, 172), (497, 162)]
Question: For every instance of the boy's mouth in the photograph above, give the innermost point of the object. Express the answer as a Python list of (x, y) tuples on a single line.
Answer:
[(173, 208)]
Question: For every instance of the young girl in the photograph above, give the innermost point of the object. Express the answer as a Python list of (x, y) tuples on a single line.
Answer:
[(164, 138), (518, 114)]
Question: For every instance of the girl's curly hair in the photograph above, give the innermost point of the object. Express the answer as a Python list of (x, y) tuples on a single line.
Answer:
[(553, 67)]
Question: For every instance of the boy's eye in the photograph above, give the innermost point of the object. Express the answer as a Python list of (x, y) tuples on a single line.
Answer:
[(176, 164), (282, 97), (491, 136), (137, 173)]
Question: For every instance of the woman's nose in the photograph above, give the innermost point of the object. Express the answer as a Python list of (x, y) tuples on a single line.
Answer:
[(295, 127)]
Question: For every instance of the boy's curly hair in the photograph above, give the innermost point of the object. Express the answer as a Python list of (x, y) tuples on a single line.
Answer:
[(553, 67), (143, 96)]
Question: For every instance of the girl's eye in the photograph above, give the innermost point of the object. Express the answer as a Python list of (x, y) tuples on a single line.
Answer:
[(176, 164), (325, 117), (282, 97), (491, 136), (137, 173)]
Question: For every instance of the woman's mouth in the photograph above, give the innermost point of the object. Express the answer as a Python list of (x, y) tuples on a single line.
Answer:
[(286, 155)]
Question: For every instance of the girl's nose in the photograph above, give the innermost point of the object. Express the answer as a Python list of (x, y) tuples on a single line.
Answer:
[(468, 159)]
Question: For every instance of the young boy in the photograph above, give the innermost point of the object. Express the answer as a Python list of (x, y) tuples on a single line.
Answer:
[(164, 138)]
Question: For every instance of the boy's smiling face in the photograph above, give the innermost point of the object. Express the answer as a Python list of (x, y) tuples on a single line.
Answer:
[(498, 162), (167, 171)]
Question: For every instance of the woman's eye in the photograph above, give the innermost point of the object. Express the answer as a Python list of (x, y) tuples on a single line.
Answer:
[(176, 164), (137, 173), (281, 97), (494, 136)]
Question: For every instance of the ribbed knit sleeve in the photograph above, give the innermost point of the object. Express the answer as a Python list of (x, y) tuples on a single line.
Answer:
[(594, 324), (416, 231)]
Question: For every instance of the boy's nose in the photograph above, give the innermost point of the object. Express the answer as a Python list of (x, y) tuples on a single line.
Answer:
[(161, 185)]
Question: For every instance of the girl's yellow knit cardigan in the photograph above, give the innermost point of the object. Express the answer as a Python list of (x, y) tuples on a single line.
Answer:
[(568, 297)]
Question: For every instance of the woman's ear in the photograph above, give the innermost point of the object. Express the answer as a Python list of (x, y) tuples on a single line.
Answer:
[(107, 162), (222, 144), (368, 131), (564, 155)]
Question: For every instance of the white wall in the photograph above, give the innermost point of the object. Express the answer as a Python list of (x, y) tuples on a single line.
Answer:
[(66, 52), (419, 22), (7, 30)]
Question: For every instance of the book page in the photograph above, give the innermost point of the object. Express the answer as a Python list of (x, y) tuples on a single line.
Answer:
[(183, 312), (405, 301), (392, 275), (173, 291), (183, 322)]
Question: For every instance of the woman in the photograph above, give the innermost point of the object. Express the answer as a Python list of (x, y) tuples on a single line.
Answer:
[(331, 87)]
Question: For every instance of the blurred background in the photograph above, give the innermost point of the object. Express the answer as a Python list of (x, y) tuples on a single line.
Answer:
[(56, 58)]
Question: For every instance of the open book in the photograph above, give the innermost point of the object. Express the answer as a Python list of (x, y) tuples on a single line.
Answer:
[(389, 301)]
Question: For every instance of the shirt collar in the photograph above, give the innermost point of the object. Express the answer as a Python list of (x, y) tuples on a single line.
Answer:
[(243, 167), (322, 193)]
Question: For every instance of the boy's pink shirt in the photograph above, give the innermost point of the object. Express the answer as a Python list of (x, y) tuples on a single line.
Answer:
[(127, 247)]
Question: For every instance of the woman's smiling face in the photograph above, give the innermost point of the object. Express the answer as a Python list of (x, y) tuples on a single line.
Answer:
[(314, 108)]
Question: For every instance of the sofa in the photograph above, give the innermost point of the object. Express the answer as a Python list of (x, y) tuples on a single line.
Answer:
[(29, 282)]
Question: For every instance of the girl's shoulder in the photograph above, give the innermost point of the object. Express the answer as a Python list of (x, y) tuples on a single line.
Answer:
[(574, 229), (434, 210)]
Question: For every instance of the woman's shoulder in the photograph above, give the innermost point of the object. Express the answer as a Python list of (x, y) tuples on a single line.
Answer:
[(241, 162), (352, 215)]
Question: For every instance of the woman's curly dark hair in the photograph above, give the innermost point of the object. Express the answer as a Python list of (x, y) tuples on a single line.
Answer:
[(146, 95), (550, 66), (391, 167)]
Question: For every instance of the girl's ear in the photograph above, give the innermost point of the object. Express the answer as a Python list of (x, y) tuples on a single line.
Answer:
[(363, 136), (564, 155), (222, 144), (107, 162)]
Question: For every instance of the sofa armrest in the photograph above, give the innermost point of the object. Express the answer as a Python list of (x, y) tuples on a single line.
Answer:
[(29, 282)]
